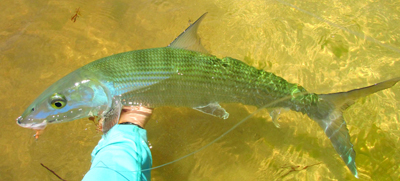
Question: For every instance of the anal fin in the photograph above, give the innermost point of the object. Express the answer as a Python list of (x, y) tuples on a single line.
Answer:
[(213, 109), (274, 114)]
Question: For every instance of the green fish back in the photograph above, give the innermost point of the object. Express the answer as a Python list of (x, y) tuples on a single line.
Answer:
[(177, 77)]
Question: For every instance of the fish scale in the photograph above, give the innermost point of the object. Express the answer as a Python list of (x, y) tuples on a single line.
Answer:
[(177, 77)]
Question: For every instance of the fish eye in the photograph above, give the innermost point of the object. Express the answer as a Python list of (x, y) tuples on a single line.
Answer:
[(33, 109), (58, 101)]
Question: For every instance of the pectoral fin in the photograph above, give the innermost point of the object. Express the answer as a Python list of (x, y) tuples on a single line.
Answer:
[(111, 117), (213, 109)]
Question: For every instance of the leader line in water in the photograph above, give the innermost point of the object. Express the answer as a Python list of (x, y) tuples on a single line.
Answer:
[(220, 137)]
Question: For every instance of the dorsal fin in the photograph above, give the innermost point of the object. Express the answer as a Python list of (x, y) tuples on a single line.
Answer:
[(189, 39)]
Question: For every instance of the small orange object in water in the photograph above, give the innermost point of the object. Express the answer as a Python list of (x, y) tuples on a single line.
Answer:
[(38, 133), (77, 14)]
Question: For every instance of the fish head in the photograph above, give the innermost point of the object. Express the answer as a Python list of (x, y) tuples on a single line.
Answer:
[(73, 97)]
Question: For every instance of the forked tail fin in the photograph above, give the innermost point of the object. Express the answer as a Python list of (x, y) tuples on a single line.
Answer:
[(335, 126)]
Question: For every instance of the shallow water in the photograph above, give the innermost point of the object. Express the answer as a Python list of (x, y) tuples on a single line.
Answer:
[(341, 46)]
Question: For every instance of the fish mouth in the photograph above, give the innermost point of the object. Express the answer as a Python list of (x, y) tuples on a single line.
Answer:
[(36, 126)]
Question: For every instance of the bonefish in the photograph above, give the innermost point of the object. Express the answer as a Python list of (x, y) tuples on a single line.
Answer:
[(184, 74)]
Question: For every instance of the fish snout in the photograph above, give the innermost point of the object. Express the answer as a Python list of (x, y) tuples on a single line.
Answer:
[(31, 125), (19, 120)]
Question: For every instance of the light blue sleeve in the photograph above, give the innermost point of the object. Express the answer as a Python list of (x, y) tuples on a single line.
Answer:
[(121, 154)]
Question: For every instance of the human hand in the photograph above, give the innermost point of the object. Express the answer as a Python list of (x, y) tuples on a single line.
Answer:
[(138, 115)]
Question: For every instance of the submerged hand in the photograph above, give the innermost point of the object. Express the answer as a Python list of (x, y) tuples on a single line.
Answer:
[(138, 115)]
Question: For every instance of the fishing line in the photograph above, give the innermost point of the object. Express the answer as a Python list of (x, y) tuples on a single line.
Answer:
[(225, 133), (368, 38)]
